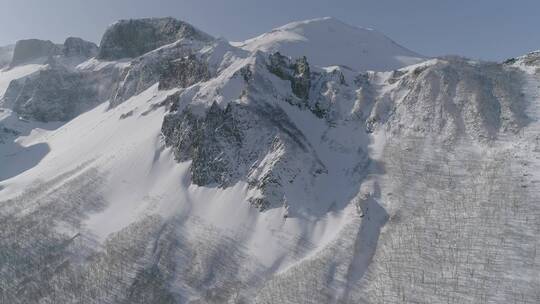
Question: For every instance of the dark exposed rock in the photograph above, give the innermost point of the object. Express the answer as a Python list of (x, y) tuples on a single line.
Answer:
[(205, 140), (309, 87), (51, 95), (32, 49), (280, 66), (6, 53), (301, 82), (298, 73), (162, 66), (132, 38), (531, 59), (257, 144), (58, 93), (183, 72), (78, 47), (170, 103), (7, 133)]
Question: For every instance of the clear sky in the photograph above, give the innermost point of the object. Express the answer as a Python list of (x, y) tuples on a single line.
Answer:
[(485, 29)]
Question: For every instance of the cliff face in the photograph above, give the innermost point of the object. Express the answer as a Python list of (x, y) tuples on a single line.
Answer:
[(6, 53), (26, 51), (181, 168), (77, 47), (132, 38)]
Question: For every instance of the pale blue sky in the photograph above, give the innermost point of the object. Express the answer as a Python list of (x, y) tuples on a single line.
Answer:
[(486, 29)]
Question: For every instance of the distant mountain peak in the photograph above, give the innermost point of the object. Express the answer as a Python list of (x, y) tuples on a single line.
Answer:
[(328, 41), (134, 37), (325, 21), (178, 168)]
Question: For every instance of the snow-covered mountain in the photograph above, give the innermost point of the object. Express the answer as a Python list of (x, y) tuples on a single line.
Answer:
[(168, 166), (328, 41)]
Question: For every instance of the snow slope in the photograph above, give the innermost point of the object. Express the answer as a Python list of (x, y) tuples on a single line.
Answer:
[(7, 75), (328, 42), (139, 178), (415, 185)]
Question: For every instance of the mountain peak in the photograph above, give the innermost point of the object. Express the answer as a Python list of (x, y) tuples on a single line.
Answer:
[(133, 37), (328, 41), (193, 171), (321, 21), (28, 50)]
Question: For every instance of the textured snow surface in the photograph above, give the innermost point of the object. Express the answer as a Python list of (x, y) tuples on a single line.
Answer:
[(138, 177), (417, 185), (7, 75), (328, 41)]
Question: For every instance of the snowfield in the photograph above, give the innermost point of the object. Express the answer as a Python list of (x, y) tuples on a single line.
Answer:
[(212, 172), (328, 41), (7, 75)]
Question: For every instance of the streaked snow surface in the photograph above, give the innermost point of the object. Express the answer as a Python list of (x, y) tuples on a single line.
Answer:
[(328, 41), (97, 210)]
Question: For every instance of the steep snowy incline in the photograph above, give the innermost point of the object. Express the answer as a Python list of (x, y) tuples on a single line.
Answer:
[(111, 163), (201, 172), (137, 184), (328, 41), (7, 75)]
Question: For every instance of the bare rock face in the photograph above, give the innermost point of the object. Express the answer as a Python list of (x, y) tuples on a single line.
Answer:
[(77, 47), (315, 90), (6, 52), (61, 91), (58, 92), (258, 144), (171, 66), (298, 73), (132, 38), (32, 49), (53, 94), (438, 159), (183, 72)]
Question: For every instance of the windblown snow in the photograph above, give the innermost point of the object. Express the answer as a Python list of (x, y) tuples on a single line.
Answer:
[(328, 41), (204, 171)]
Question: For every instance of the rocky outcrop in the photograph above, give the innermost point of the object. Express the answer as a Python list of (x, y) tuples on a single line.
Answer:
[(28, 51), (63, 91), (301, 82), (77, 47), (59, 93), (133, 38), (33, 49), (7, 133), (171, 66), (438, 204), (257, 144), (6, 53), (207, 140), (298, 73), (53, 94), (183, 72), (313, 89)]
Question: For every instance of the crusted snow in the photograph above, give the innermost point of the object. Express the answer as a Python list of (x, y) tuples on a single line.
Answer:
[(327, 41), (351, 237), (7, 75), (143, 178)]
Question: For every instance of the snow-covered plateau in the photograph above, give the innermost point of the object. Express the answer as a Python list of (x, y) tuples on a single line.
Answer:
[(316, 163)]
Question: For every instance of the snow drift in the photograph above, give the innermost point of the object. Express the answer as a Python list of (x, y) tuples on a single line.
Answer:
[(278, 170)]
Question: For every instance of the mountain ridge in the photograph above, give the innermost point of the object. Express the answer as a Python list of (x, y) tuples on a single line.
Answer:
[(356, 48), (200, 171)]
